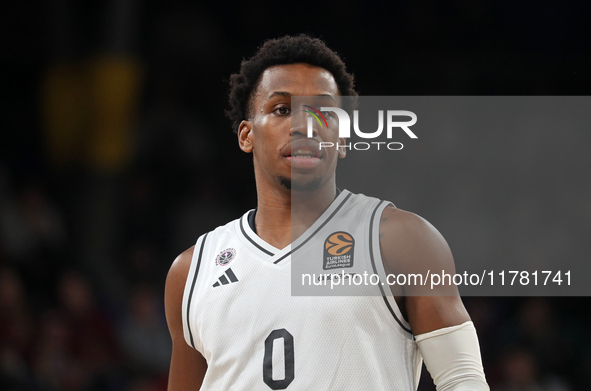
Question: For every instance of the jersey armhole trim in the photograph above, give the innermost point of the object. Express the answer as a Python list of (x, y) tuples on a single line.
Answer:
[(378, 267), (189, 289)]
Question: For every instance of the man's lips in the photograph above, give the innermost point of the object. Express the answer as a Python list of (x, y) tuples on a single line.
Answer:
[(302, 148), (303, 154)]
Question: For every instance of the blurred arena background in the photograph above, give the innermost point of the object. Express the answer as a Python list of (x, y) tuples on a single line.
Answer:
[(116, 156)]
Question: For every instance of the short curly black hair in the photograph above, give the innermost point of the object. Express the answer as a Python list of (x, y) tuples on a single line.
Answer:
[(285, 50)]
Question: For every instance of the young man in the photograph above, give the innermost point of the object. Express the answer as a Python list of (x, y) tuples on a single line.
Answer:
[(232, 318)]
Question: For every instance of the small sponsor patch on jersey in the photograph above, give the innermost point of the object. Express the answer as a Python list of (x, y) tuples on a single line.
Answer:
[(338, 251), (225, 257)]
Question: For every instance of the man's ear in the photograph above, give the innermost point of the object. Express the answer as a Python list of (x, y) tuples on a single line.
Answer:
[(342, 149), (245, 136)]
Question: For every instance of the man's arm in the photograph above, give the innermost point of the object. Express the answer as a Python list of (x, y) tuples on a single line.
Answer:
[(187, 365), (441, 325)]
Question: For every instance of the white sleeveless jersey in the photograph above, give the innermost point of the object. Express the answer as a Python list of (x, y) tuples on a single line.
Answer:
[(239, 312)]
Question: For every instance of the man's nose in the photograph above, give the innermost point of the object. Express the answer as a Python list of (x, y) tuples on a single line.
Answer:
[(300, 122)]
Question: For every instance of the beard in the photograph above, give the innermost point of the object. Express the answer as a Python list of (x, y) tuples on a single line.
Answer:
[(308, 186)]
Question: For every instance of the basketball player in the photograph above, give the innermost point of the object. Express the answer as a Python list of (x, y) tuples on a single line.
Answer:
[(232, 318)]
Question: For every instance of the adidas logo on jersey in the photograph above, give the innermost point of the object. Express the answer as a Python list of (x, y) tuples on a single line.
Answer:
[(223, 280)]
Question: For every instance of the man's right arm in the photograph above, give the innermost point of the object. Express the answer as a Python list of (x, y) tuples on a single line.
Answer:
[(187, 365)]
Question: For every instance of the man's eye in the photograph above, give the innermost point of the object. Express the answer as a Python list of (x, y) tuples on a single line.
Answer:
[(283, 110), (327, 114)]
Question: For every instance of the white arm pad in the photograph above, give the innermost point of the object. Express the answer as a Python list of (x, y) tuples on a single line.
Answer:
[(452, 356)]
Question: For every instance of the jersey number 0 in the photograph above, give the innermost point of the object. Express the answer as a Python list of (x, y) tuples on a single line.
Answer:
[(288, 360)]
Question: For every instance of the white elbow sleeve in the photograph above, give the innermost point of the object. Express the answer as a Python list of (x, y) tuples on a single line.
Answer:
[(452, 356)]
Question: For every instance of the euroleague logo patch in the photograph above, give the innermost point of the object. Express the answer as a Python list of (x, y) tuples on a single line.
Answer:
[(338, 251), (225, 257)]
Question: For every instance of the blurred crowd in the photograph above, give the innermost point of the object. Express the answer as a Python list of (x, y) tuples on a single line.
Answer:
[(123, 158)]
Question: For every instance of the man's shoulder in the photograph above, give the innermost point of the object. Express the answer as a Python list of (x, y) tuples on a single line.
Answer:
[(409, 241), (404, 222), (407, 227), (179, 270)]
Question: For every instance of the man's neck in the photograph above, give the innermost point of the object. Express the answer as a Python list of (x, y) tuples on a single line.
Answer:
[(284, 215)]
